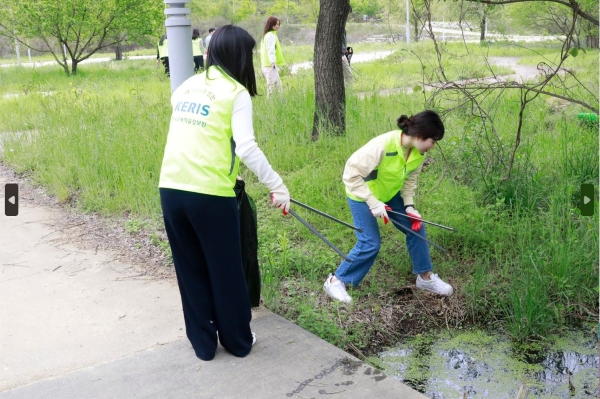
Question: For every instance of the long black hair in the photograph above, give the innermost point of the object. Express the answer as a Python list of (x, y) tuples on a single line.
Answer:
[(231, 50), (426, 124)]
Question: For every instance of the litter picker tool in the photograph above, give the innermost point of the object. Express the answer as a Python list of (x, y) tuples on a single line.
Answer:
[(324, 214), (421, 220), (315, 232), (407, 230)]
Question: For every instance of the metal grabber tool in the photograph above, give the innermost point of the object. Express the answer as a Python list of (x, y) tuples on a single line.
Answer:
[(421, 220), (407, 230), (324, 214), (315, 232)]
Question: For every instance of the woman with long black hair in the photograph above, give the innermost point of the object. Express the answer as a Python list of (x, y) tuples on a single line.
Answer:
[(210, 132)]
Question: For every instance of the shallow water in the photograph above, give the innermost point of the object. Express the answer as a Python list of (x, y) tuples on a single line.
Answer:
[(477, 364)]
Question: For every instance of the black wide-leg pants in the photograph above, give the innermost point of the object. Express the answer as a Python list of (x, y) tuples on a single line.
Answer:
[(204, 235)]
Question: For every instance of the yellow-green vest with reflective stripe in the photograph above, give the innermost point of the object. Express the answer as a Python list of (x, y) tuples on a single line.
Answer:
[(388, 177), (163, 51), (200, 151), (197, 47), (264, 57)]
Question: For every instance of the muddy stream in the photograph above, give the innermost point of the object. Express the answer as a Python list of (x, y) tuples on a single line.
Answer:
[(475, 364)]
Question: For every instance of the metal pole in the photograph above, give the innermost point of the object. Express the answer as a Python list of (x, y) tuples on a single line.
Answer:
[(443, 27), (18, 51), (406, 230), (407, 22), (424, 221), (324, 214), (315, 232), (179, 41)]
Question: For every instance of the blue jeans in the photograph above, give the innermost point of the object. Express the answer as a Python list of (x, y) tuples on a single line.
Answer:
[(369, 242)]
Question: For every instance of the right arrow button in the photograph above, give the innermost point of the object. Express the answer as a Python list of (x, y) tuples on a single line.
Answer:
[(586, 202)]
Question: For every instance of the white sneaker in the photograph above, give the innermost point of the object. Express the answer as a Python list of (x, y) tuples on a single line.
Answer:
[(435, 285), (253, 339), (336, 290)]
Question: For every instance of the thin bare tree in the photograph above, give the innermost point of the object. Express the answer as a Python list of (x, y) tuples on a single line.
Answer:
[(480, 97)]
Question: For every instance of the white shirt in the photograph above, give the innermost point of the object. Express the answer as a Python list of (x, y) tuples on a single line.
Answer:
[(207, 41), (246, 147), (270, 41)]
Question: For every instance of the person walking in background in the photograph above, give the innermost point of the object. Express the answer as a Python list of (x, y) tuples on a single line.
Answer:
[(271, 56), (197, 51), (381, 176), (207, 41), (348, 77), (162, 53), (209, 133)]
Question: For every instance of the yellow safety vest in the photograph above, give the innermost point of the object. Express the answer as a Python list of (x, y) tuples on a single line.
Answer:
[(200, 151), (163, 51), (388, 177), (196, 47), (264, 57)]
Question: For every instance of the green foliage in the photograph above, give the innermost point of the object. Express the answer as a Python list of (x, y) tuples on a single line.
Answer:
[(322, 323), (83, 27), (366, 7), (93, 118)]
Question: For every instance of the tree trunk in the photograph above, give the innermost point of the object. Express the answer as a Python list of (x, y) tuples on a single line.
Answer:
[(330, 93), (118, 52), (74, 66), (482, 25), (416, 29)]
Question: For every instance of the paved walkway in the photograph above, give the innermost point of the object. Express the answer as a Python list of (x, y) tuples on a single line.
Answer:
[(77, 324), (93, 60)]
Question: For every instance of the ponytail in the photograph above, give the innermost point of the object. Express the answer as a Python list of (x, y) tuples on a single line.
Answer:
[(426, 124)]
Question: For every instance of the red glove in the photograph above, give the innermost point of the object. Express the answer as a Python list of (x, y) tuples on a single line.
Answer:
[(280, 197), (379, 211), (415, 217)]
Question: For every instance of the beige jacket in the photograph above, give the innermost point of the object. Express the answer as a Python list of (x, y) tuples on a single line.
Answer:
[(363, 162)]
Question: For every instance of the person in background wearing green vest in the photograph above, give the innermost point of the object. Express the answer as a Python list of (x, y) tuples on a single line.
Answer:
[(197, 51), (271, 56), (162, 53), (380, 176), (210, 132)]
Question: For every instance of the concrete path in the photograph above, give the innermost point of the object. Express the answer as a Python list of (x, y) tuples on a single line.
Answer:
[(521, 74), (356, 58), (87, 61), (75, 323)]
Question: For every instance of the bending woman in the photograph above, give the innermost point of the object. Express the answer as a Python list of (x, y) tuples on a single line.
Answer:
[(381, 176)]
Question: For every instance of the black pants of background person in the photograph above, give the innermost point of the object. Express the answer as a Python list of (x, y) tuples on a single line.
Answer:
[(165, 62), (204, 235), (198, 63)]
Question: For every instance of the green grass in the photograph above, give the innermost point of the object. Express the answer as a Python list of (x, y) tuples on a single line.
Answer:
[(522, 256)]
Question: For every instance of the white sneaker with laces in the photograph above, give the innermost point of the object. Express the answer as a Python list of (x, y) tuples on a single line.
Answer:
[(336, 290), (435, 285)]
